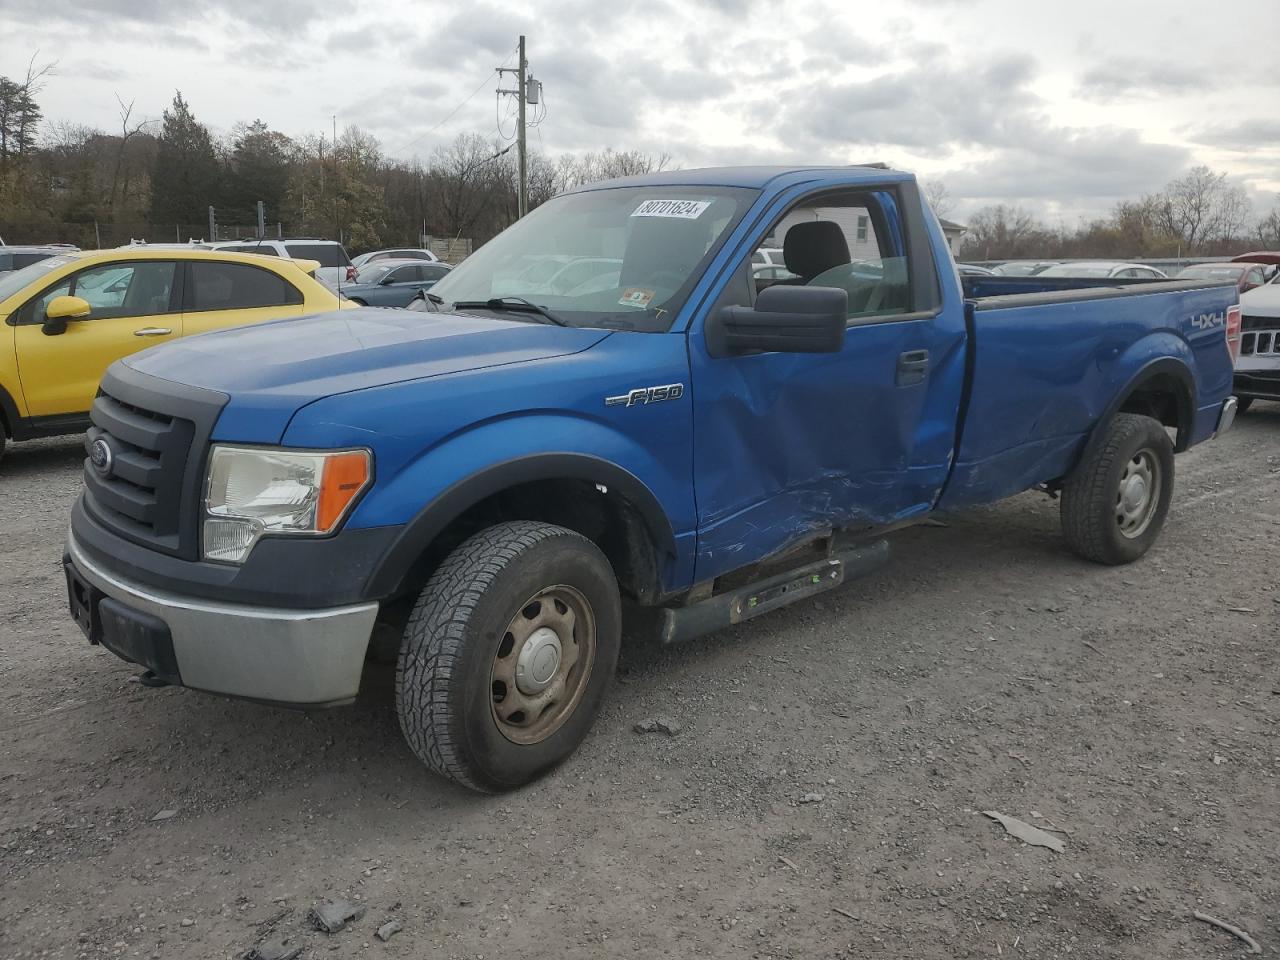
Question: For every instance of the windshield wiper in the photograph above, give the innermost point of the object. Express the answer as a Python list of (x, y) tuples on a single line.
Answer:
[(514, 303)]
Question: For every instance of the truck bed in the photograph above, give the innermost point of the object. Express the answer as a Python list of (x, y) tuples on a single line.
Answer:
[(1047, 356)]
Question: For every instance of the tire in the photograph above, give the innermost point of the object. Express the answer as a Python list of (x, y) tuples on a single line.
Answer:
[(1110, 513), (467, 667), (357, 301), (1243, 404)]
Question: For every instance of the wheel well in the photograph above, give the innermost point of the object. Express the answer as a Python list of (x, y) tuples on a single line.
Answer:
[(1164, 398), (603, 516)]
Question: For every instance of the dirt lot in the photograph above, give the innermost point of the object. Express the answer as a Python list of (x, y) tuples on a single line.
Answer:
[(1135, 709)]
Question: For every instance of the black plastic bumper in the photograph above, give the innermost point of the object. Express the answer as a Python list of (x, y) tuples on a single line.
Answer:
[(279, 572), (1263, 384), (130, 634)]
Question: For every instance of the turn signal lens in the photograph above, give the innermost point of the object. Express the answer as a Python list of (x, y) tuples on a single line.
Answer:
[(1233, 331), (345, 475)]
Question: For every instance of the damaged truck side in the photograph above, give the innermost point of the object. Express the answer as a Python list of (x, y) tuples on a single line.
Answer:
[(611, 400)]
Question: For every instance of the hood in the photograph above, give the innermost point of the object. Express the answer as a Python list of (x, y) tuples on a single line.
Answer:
[(1263, 301), (271, 369)]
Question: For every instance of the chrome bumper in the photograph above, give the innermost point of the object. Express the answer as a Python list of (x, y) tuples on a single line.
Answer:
[(1227, 417), (265, 653)]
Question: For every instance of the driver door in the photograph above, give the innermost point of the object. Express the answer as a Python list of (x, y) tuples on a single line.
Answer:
[(789, 446), (135, 304)]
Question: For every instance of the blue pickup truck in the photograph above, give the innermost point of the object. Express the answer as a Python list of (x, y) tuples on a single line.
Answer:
[(474, 489)]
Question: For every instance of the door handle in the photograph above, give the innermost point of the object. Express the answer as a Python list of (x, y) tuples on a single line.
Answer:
[(153, 332), (913, 367)]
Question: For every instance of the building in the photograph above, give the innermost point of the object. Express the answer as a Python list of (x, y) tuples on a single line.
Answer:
[(953, 232)]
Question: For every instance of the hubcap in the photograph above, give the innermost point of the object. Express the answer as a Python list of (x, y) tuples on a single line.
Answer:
[(542, 664), (539, 661), (1138, 494)]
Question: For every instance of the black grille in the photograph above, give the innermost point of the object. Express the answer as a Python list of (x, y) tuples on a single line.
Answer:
[(1259, 323), (143, 490), (157, 444)]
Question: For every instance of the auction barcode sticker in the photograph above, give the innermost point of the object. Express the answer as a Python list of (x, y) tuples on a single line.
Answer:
[(680, 209)]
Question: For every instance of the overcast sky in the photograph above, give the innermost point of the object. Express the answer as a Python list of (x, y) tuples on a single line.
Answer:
[(1064, 107)]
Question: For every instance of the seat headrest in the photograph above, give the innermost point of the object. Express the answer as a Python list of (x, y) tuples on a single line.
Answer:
[(814, 247)]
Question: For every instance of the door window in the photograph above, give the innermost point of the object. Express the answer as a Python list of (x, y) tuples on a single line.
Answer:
[(406, 274), (236, 286), (841, 240), (136, 289)]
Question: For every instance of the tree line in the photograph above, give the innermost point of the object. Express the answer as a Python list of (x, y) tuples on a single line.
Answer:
[(156, 179), (1198, 214), (62, 182)]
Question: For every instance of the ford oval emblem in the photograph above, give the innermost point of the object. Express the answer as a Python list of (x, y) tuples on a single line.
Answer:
[(102, 457)]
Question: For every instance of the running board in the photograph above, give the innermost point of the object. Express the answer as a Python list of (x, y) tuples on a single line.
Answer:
[(716, 613)]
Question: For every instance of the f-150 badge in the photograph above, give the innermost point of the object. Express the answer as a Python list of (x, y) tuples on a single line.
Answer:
[(669, 391)]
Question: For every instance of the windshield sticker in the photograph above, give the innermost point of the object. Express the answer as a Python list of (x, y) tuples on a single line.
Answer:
[(679, 209), (637, 297)]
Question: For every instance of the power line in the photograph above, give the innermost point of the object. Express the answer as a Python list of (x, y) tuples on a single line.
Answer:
[(483, 83)]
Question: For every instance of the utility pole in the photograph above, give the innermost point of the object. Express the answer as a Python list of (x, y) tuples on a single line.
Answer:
[(262, 219), (526, 91), (213, 225)]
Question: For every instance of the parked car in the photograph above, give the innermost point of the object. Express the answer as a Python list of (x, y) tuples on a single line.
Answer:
[(15, 258), (1023, 268), (393, 283), (483, 485), (69, 316), (1098, 269), (1270, 259), (335, 266), (974, 270), (1258, 366), (1245, 276), (768, 256), (399, 253)]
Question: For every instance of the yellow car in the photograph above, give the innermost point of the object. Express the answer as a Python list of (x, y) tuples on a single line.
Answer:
[(67, 318)]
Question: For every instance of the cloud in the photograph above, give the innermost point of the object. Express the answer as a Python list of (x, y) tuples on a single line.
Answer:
[(1129, 78), (1262, 133), (933, 108)]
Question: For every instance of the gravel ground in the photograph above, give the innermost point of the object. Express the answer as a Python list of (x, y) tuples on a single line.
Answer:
[(822, 798)]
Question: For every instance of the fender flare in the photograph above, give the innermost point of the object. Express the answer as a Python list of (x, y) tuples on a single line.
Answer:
[(388, 577), (1165, 366)]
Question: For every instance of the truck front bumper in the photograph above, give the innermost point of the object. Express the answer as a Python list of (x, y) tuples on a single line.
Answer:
[(292, 656)]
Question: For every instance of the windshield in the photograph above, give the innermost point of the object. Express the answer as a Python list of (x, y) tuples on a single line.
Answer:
[(1206, 272), (1070, 270), (329, 254), (373, 272), (622, 258), (13, 282)]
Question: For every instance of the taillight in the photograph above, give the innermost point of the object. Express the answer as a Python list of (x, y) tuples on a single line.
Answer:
[(351, 277), (1233, 331)]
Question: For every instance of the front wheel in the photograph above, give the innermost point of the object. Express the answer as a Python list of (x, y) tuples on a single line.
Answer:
[(507, 655), (1115, 502), (1243, 404)]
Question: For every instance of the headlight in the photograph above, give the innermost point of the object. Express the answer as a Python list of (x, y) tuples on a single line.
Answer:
[(254, 491)]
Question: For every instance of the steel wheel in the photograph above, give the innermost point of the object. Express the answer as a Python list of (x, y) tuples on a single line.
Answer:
[(542, 664), (1138, 494)]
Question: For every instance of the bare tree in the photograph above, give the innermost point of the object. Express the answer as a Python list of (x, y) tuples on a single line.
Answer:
[(939, 197), (128, 131), (1268, 228), (1004, 231), (1202, 208)]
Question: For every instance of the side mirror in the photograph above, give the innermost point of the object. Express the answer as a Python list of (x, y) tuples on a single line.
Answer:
[(62, 309), (786, 319), (387, 280)]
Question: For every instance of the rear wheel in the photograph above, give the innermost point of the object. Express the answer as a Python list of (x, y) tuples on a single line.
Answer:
[(1115, 503), (507, 655)]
